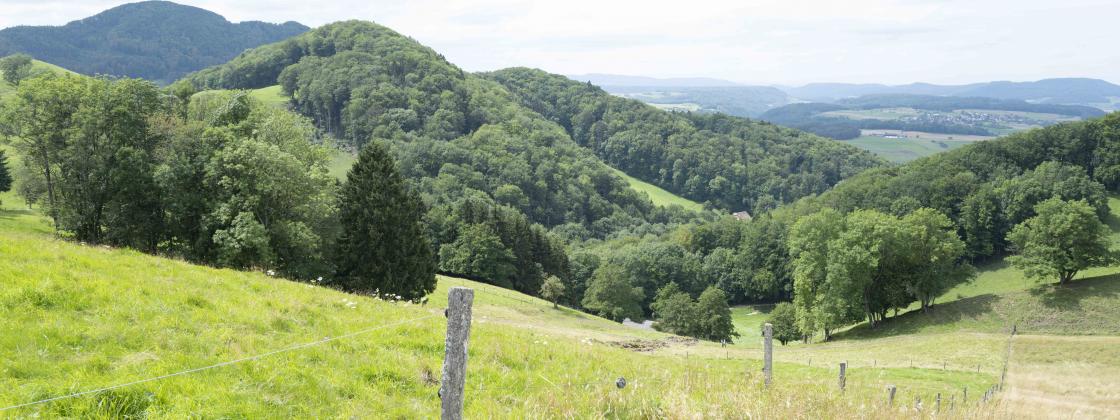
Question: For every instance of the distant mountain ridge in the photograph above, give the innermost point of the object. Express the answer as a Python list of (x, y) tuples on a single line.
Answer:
[(155, 40), (607, 80), (1054, 91)]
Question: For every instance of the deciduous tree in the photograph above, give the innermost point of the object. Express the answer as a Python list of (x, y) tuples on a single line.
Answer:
[(1064, 238)]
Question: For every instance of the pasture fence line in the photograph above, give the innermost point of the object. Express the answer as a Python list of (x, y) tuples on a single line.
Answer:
[(453, 378)]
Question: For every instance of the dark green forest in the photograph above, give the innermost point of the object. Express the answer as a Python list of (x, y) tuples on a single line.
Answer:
[(730, 163), (155, 40)]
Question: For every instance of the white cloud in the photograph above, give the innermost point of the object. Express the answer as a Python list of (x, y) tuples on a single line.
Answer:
[(753, 41)]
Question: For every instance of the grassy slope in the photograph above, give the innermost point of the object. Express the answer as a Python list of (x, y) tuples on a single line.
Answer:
[(37, 66), (102, 316), (658, 195)]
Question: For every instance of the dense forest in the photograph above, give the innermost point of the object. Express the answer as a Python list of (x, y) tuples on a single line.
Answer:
[(731, 163), (155, 40)]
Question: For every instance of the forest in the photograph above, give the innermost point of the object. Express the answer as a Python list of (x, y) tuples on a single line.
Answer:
[(158, 41)]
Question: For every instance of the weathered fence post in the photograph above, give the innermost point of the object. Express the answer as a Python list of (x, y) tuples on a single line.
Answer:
[(454, 376), (768, 358), (964, 396), (937, 405), (843, 378), (890, 395)]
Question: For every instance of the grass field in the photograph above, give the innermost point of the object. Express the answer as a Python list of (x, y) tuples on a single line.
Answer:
[(272, 95), (658, 195), (905, 149)]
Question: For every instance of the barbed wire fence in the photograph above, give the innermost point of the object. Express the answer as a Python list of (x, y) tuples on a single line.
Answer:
[(453, 376)]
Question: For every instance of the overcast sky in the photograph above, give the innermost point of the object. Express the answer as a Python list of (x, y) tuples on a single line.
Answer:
[(749, 41)]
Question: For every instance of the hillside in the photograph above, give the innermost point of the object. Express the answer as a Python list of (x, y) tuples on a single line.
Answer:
[(36, 67), (155, 40), (108, 316), (733, 163), (459, 138)]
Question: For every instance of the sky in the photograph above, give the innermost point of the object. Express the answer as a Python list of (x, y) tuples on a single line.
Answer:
[(788, 42)]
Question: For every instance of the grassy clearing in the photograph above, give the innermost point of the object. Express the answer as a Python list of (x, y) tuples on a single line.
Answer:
[(105, 316), (340, 164), (272, 95), (904, 150), (747, 318), (658, 195)]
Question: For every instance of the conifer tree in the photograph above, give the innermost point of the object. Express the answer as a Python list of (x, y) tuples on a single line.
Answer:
[(383, 246), (5, 176)]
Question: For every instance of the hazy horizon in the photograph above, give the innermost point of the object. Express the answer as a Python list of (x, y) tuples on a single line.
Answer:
[(768, 42)]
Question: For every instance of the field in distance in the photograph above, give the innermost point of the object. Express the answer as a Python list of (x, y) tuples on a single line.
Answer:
[(903, 146)]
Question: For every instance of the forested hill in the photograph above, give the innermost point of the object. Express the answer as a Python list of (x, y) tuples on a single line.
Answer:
[(155, 40), (506, 188), (729, 162)]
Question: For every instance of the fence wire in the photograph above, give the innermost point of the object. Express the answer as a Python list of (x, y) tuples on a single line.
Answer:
[(222, 364)]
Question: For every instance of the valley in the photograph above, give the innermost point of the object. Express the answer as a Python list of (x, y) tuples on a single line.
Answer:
[(205, 216)]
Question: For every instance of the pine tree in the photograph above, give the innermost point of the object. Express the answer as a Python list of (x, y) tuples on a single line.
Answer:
[(383, 246), (5, 176)]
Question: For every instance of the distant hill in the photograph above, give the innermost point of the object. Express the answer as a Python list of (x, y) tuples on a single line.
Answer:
[(155, 40), (696, 94), (950, 116), (740, 101), (605, 80), (1054, 91)]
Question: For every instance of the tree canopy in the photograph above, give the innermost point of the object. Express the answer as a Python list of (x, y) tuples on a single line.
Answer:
[(1064, 238)]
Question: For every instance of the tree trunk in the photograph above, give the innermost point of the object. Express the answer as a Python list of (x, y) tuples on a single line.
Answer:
[(1065, 278)]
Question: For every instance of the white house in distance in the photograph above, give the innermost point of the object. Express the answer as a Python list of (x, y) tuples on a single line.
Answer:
[(742, 216)]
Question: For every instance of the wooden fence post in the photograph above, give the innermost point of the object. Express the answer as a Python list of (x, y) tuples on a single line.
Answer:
[(454, 376), (843, 378), (890, 395), (964, 397), (937, 406), (768, 358)]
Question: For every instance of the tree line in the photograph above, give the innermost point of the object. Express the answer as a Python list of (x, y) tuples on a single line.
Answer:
[(216, 179)]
